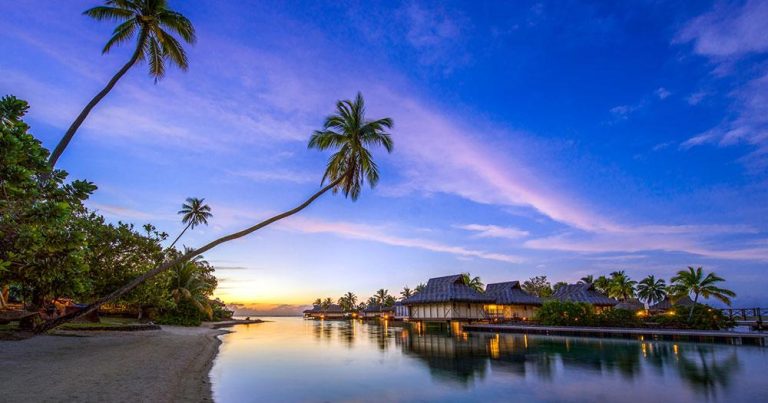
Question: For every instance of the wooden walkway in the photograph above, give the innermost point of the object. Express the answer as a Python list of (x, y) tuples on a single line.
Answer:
[(716, 336)]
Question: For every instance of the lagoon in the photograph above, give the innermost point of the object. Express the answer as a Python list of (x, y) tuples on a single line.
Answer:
[(297, 360)]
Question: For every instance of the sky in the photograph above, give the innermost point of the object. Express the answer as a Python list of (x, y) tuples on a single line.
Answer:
[(560, 138)]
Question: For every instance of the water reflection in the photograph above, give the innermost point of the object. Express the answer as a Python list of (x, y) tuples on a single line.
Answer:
[(352, 360)]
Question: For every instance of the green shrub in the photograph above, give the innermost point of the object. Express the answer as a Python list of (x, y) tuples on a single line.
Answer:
[(618, 318), (183, 314), (704, 318), (559, 313)]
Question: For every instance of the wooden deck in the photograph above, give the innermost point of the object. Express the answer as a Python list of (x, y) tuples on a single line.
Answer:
[(716, 336)]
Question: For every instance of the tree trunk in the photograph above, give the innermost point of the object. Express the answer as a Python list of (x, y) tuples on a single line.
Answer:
[(690, 314), (182, 233), (189, 255), (64, 142)]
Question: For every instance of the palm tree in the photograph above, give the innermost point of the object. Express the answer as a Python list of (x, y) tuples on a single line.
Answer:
[(558, 285), (326, 304), (406, 293), (381, 296), (153, 24), (652, 290), (317, 302), (193, 213), (188, 285), (348, 131), (587, 279), (473, 282), (348, 301), (419, 288), (602, 284), (620, 286), (693, 281)]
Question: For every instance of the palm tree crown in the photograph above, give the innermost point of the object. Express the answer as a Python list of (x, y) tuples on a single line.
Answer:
[(193, 213), (406, 293), (620, 286), (349, 132), (154, 24), (473, 282), (693, 281), (652, 290)]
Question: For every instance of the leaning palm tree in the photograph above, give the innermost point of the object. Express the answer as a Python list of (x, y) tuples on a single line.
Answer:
[(349, 168), (406, 293), (652, 290), (693, 281), (473, 282), (193, 213), (153, 24)]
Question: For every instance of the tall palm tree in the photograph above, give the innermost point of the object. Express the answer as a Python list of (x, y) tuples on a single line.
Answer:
[(381, 296), (602, 284), (153, 24), (693, 281), (193, 213), (326, 304), (317, 302), (348, 301), (620, 286), (652, 290), (406, 293), (419, 288), (473, 282), (347, 131)]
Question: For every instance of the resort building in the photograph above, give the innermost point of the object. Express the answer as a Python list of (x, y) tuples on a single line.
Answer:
[(402, 312), (584, 292), (667, 304), (511, 302), (447, 299), (332, 312), (378, 311), (632, 304)]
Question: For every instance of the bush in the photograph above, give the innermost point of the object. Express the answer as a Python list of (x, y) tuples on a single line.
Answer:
[(559, 313), (220, 311), (618, 318), (704, 318), (183, 314)]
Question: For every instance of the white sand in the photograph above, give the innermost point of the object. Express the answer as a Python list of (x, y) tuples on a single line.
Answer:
[(165, 365)]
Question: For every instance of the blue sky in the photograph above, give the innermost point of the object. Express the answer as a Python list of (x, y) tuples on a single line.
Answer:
[(531, 138)]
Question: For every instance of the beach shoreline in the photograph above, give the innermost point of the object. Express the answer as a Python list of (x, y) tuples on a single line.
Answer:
[(172, 364)]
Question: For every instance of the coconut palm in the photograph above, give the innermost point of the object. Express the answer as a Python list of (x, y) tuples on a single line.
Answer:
[(419, 288), (193, 213), (693, 281), (348, 131), (602, 284), (317, 302), (326, 303), (406, 293), (473, 282), (153, 24), (652, 290), (188, 285), (620, 286), (348, 301), (381, 296)]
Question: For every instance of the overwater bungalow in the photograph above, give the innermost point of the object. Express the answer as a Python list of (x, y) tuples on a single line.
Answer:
[(511, 302), (402, 312), (332, 312), (447, 299), (378, 311), (667, 304), (584, 292)]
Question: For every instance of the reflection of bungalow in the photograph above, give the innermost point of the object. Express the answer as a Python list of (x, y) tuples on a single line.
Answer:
[(633, 305), (401, 311), (584, 292), (511, 302), (667, 304), (378, 311), (332, 312), (445, 299)]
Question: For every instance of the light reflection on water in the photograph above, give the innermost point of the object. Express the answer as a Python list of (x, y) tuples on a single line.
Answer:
[(291, 359)]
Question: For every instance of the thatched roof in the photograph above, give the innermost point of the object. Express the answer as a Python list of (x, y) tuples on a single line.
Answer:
[(447, 289), (378, 308), (332, 308), (583, 292), (510, 293), (630, 305), (667, 303)]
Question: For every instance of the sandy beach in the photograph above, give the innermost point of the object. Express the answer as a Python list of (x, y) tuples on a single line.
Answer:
[(165, 365)]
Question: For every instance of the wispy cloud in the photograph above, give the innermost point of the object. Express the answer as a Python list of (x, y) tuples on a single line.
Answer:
[(380, 235), (494, 231)]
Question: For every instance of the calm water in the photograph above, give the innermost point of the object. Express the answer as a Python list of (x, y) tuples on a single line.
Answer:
[(296, 360)]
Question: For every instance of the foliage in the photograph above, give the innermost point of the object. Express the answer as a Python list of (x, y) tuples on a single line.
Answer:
[(473, 282), (350, 133), (602, 284), (558, 285), (618, 318), (704, 317), (566, 313), (193, 282), (652, 290), (538, 286), (587, 279), (348, 302), (620, 286), (406, 293), (693, 281), (220, 311), (419, 288), (193, 213), (184, 313)]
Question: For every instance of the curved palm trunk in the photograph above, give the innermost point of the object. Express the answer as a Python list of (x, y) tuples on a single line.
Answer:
[(167, 265), (690, 313), (182, 233), (64, 142)]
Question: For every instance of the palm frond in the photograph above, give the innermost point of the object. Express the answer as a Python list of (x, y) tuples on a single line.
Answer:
[(101, 13)]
